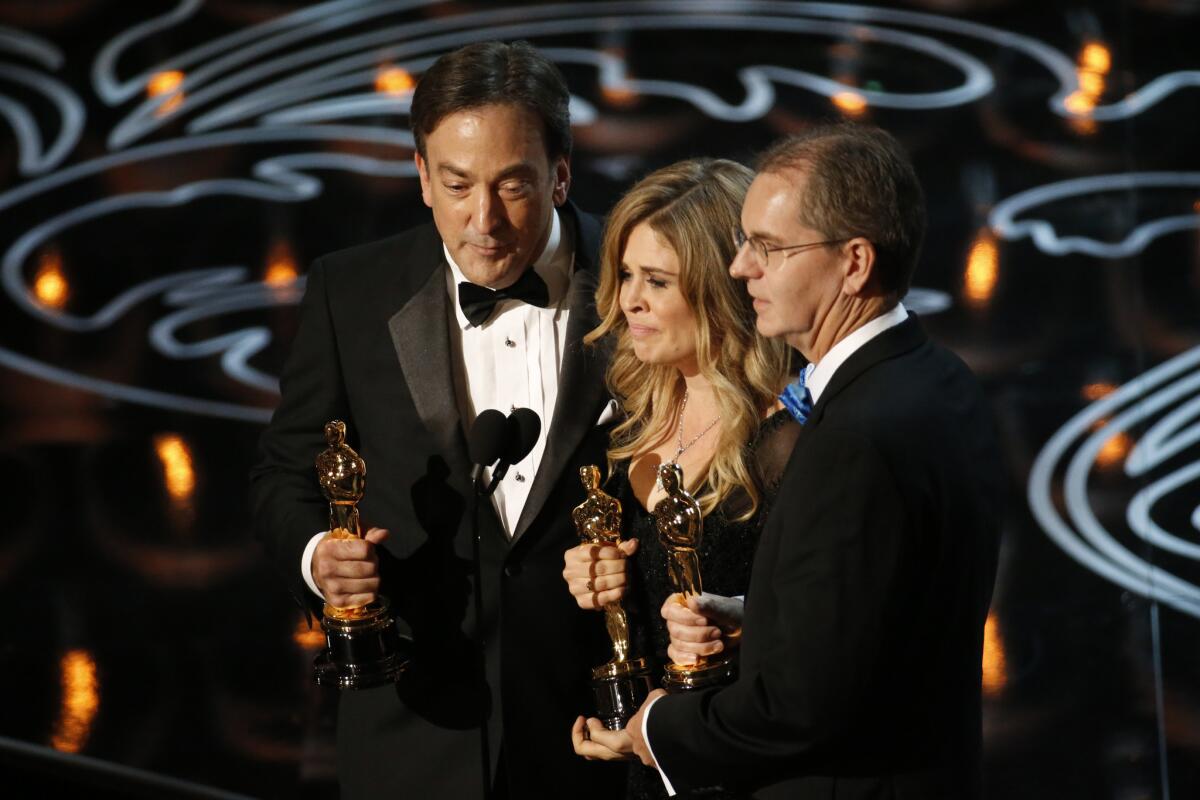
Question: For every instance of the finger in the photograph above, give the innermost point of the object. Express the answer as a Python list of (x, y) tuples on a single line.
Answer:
[(594, 601), (616, 741), (692, 633), (601, 599), (354, 569), (346, 549), (581, 586), (350, 600), (616, 566), (678, 656), (578, 735), (698, 648), (352, 585), (581, 554), (604, 552), (596, 752), (591, 569), (673, 612), (628, 547), (377, 535)]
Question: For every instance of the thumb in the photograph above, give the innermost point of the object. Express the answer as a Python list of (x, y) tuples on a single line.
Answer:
[(628, 547), (377, 535), (713, 607)]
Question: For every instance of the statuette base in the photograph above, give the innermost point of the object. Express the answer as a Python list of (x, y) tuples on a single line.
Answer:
[(708, 673), (620, 688), (363, 652)]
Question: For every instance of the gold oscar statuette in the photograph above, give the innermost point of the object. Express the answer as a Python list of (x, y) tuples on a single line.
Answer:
[(680, 527), (363, 648), (621, 684)]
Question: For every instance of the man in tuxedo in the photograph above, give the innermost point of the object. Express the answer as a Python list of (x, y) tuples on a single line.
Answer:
[(408, 339), (863, 624)]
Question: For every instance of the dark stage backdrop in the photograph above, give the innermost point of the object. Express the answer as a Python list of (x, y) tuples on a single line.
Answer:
[(169, 169)]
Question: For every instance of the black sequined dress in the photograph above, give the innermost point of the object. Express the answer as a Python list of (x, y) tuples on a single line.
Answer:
[(726, 554)]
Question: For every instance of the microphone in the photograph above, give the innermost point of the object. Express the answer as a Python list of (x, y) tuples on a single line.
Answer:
[(487, 442), (521, 434)]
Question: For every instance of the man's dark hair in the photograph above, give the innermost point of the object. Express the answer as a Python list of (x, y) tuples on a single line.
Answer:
[(860, 183), (494, 73)]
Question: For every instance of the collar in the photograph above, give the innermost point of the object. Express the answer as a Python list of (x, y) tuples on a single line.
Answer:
[(817, 376), (553, 265)]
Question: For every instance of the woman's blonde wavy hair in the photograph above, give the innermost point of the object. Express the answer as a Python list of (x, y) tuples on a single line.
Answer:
[(693, 206)]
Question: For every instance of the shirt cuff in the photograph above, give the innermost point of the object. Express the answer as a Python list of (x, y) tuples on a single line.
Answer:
[(306, 563), (646, 738)]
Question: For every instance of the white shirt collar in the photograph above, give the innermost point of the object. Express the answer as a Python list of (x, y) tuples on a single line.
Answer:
[(553, 266), (817, 376)]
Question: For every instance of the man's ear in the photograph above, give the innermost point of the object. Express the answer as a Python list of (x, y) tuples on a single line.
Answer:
[(562, 180), (859, 267), (423, 172)]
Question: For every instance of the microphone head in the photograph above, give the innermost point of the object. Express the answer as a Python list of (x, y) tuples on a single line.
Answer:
[(524, 425), (488, 437)]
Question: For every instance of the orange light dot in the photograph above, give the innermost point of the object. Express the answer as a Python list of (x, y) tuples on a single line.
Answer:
[(281, 265), (983, 270), (1098, 390), (80, 701), (1114, 450), (178, 473), (1080, 103), (308, 638), (1095, 57), (1091, 83), (995, 666), (162, 82), (852, 104), (50, 285), (1084, 126), (394, 81)]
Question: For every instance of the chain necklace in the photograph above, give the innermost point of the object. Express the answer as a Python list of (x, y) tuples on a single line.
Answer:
[(680, 445)]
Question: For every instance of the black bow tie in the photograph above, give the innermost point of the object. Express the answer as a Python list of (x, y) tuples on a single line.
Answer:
[(478, 302)]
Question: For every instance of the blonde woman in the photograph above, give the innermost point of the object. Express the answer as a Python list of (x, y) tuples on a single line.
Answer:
[(698, 386)]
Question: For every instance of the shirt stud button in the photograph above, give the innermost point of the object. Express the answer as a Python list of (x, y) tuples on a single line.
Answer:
[(520, 478), (509, 342)]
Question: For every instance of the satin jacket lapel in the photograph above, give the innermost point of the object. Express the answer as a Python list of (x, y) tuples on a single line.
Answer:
[(422, 343), (581, 392), (904, 337)]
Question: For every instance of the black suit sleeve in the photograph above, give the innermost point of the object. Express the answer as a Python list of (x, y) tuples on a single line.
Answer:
[(286, 499), (835, 551)]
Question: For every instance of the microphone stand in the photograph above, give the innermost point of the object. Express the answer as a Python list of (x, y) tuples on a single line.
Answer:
[(478, 491)]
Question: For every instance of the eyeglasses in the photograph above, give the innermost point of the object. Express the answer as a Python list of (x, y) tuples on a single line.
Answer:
[(761, 251)]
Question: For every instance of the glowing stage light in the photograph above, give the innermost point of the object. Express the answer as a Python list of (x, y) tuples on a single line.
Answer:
[(1098, 390), (281, 265), (80, 701), (1113, 452), (1080, 103), (166, 83), (995, 666), (983, 270), (308, 638), (50, 285), (1095, 57), (394, 81), (179, 475), (852, 104), (1095, 60)]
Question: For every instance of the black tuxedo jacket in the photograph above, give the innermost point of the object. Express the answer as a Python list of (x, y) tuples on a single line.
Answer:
[(863, 629), (373, 349)]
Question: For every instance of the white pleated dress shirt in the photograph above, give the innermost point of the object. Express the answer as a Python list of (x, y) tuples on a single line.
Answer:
[(513, 360)]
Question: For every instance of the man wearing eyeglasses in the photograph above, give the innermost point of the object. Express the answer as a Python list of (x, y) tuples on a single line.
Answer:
[(863, 624)]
